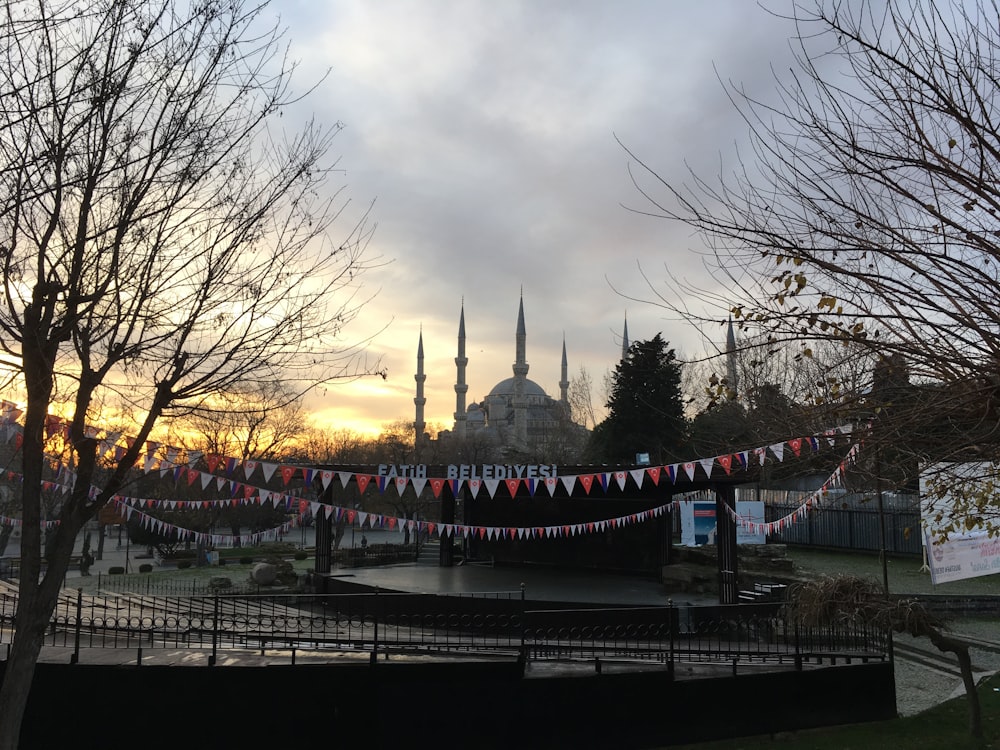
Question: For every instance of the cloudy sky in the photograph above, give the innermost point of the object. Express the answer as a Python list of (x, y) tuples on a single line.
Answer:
[(485, 132)]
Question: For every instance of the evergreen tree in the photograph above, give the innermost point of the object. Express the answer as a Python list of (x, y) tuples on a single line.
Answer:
[(645, 407)]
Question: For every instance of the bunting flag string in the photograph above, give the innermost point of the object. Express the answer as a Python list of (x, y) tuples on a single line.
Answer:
[(811, 502), (169, 454), (165, 460)]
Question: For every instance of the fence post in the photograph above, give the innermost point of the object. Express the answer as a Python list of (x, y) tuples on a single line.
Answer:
[(672, 618), (374, 656), (798, 652), (76, 636), (215, 631), (523, 656)]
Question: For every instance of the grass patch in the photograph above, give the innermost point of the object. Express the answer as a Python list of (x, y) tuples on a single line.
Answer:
[(905, 574), (944, 726)]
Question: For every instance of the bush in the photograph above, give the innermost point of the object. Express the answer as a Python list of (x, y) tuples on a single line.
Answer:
[(181, 554), (246, 561), (183, 564), (116, 570), (145, 568), (222, 561), (301, 554)]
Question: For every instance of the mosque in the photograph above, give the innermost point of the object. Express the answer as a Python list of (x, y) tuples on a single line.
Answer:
[(517, 416)]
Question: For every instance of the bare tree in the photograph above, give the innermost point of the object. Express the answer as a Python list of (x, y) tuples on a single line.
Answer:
[(340, 445), (581, 399), (261, 422), (868, 213), (163, 239)]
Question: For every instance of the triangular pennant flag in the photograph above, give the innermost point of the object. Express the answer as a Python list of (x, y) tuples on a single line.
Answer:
[(418, 484), (689, 469), (436, 486), (653, 472), (587, 480), (326, 476), (268, 470), (287, 472), (638, 475), (401, 483), (726, 463), (761, 454), (796, 445), (474, 486), (569, 482), (491, 487), (550, 484), (362, 480), (778, 449), (512, 485), (249, 467), (621, 477), (707, 464)]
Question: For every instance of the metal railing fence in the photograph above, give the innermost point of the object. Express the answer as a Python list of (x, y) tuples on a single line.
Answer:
[(499, 623), (855, 528)]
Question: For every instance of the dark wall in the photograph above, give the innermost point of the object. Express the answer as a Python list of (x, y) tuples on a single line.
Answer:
[(441, 705)]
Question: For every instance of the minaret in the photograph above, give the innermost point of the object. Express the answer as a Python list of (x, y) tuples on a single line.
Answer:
[(564, 381), (460, 387), (419, 401), (520, 367), (625, 339), (731, 376)]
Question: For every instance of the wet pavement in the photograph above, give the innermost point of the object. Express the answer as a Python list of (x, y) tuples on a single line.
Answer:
[(540, 584)]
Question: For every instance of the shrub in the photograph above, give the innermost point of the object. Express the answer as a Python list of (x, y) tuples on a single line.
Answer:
[(222, 561), (183, 564), (116, 570), (145, 568), (246, 561), (301, 554)]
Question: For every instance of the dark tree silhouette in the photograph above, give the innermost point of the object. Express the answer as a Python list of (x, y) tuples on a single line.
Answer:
[(645, 407)]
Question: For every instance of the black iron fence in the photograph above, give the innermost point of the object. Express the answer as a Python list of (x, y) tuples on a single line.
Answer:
[(501, 623)]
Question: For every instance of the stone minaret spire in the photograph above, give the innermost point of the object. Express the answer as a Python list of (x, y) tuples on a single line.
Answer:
[(731, 375), (564, 377), (520, 401), (460, 387), (625, 343), (419, 401)]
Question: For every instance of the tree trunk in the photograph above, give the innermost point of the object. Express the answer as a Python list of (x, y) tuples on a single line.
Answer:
[(36, 602), (961, 650)]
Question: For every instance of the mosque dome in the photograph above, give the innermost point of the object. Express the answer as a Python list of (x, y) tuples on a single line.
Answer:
[(506, 388)]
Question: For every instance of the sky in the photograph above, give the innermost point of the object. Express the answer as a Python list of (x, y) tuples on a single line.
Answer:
[(487, 134)]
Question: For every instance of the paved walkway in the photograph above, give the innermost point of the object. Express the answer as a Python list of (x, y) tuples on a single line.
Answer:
[(541, 584)]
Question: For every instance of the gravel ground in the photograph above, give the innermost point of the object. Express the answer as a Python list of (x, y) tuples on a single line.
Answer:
[(920, 686)]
